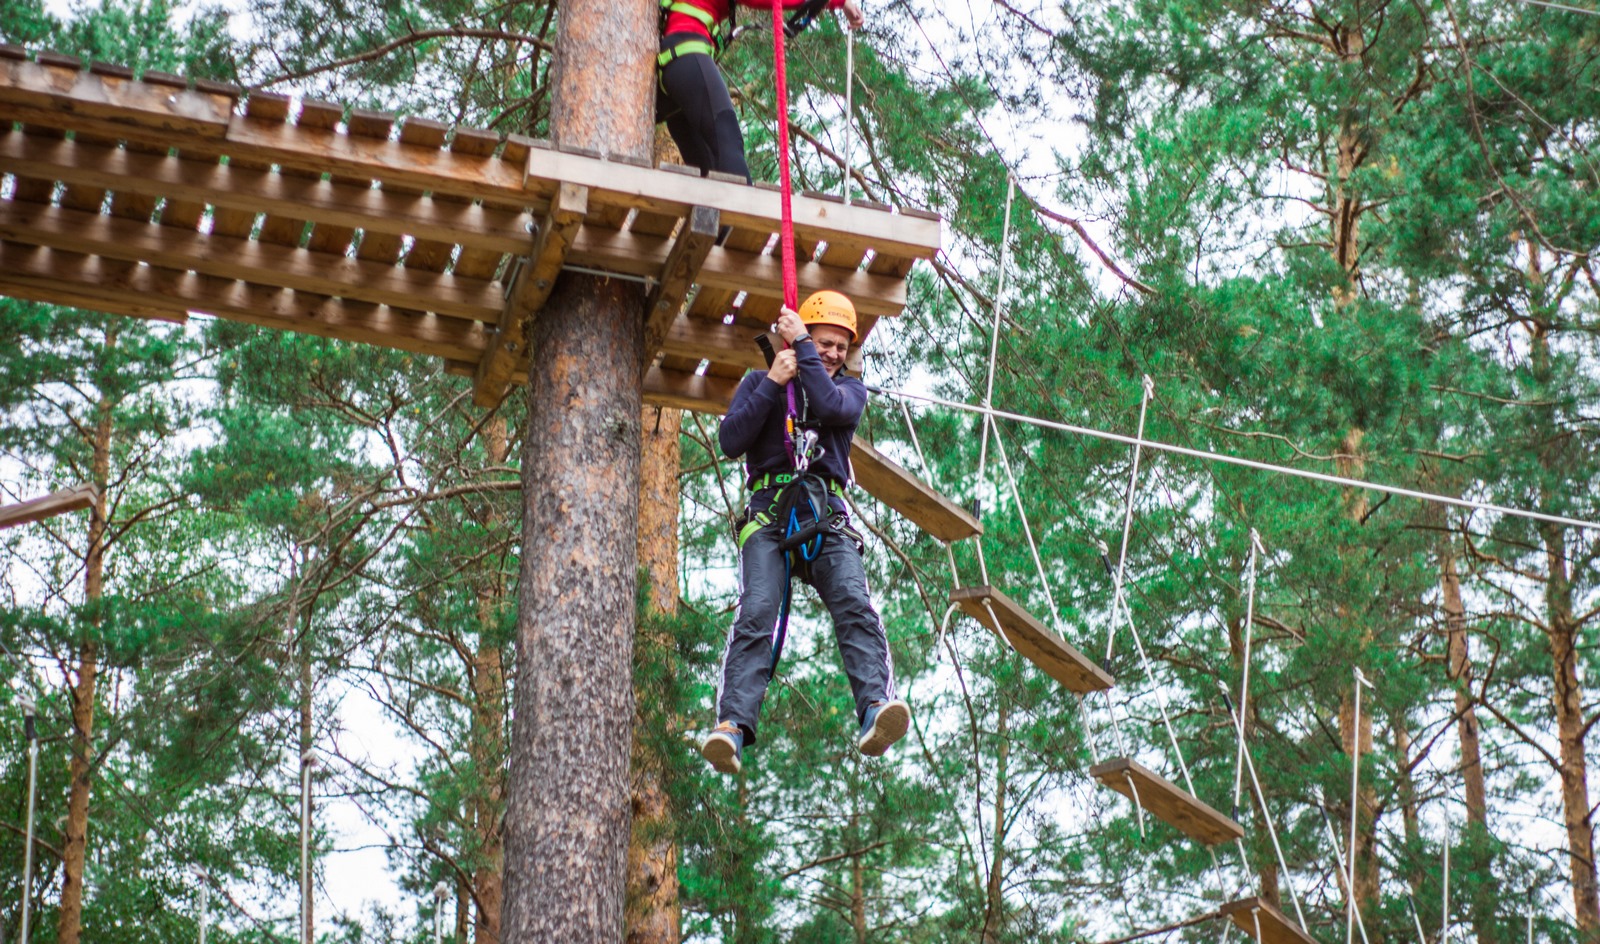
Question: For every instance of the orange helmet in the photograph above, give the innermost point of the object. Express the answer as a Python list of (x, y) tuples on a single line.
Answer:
[(830, 308)]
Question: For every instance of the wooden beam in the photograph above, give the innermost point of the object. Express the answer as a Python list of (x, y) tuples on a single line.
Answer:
[(123, 289), (614, 183), (1167, 801), (233, 187), (737, 270), (530, 290), (913, 498), (75, 97), (247, 260), (1053, 655), (147, 309), (702, 339), (688, 391), (76, 498), (681, 271), (1253, 914)]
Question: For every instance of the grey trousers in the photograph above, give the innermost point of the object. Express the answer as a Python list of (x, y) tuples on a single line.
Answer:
[(841, 581)]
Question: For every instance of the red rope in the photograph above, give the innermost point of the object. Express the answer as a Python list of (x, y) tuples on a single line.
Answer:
[(791, 284), (791, 281)]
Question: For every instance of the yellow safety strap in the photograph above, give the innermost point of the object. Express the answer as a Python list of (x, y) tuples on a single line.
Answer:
[(686, 48)]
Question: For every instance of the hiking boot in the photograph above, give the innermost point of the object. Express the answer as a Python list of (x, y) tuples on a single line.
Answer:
[(722, 747), (886, 723)]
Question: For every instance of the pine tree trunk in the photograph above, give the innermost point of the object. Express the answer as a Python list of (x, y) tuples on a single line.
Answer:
[(994, 915), (1352, 464), (858, 879), (1459, 661), (308, 919), (567, 820), (1407, 788), (1561, 630), (488, 745), (1562, 633), (69, 921), (652, 899)]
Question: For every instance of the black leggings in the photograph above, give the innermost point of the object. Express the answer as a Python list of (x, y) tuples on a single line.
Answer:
[(692, 98)]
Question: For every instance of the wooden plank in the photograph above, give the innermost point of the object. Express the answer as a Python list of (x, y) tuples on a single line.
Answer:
[(76, 498), (1053, 655), (40, 188), (680, 273), (154, 174), (472, 262), (1249, 913), (430, 254), (146, 309), (687, 391), (735, 269), (913, 498), (74, 100), (120, 287), (233, 258), (1167, 801), (531, 289), (615, 184), (704, 339)]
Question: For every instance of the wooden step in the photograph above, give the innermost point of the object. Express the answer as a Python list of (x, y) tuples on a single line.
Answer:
[(1167, 801), (1275, 927), (896, 487), (56, 503), (1033, 639)]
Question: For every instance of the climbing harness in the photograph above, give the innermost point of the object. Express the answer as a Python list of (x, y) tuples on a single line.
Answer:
[(721, 32)]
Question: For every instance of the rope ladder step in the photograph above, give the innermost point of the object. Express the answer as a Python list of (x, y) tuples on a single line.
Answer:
[(1053, 655), (1257, 918), (1167, 801)]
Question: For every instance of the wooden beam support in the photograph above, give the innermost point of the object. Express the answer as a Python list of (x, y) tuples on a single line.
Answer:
[(913, 498), (737, 270), (701, 339), (614, 183), (76, 97), (1167, 801), (682, 270), (234, 187), (123, 289), (1251, 915), (247, 260), (1053, 655), (686, 391), (76, 498), (530, 290)]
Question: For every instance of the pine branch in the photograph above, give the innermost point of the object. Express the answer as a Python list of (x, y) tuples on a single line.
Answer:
[(410, 39)]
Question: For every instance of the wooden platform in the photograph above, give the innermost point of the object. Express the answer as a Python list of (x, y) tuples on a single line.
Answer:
[(1167, 801), (1054, 656), (1275, 927), (56, 503), (156, 196)]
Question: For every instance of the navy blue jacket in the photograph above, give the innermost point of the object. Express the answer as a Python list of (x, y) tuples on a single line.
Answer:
[(753, 427)]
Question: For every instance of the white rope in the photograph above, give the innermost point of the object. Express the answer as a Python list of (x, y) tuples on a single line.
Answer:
[(1244, 688), (1444, 920), (849, 106), (1422, 936), (1338, 860), (994, 332), (1246, 463), (1355, 810), (1562, 6), (1127, 518), (1266, 814), (1027, 530)]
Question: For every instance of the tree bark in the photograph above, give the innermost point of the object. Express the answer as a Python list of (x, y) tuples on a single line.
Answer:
[(69, 921), (488, 744), (994, 898), (1459, 662), (567, 820), (653, 915), (1352, 464)]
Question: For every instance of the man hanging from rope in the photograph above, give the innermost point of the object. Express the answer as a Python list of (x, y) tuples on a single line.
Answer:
[(798, 524), (691, 96)]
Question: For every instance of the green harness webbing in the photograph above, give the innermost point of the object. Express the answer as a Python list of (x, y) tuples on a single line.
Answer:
[(721, 33)]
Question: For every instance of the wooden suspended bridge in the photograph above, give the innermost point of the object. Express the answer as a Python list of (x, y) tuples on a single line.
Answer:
[(155, 196)]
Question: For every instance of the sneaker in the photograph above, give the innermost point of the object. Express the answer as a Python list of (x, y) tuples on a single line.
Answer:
[(722, 747), (886, 723)]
